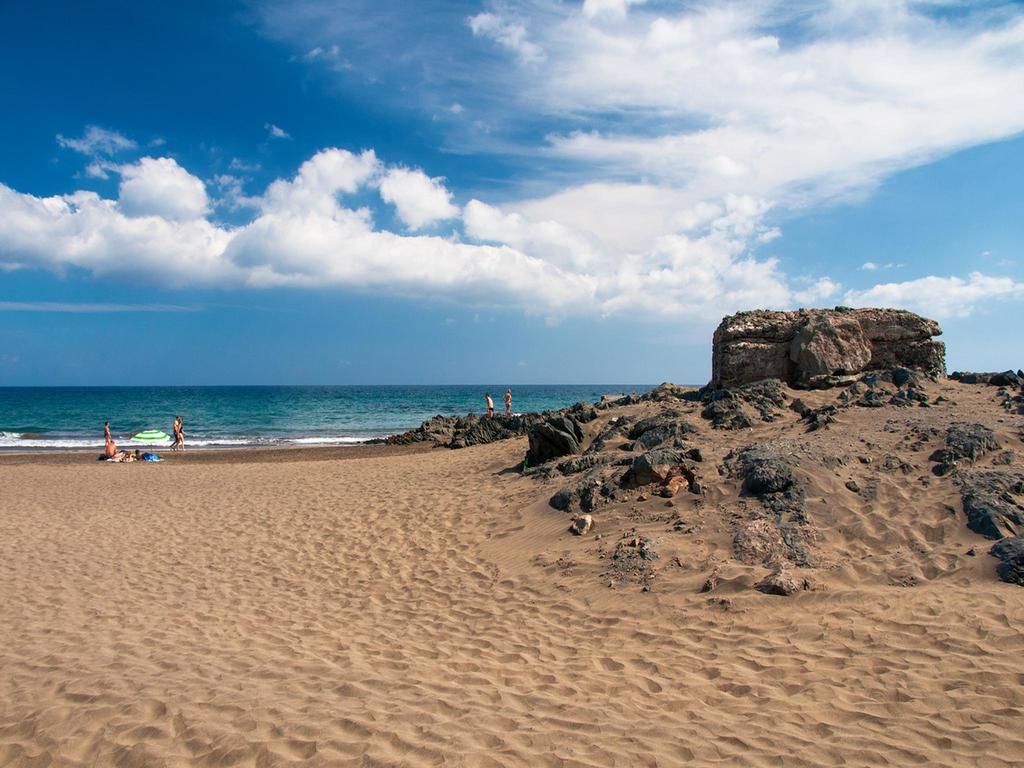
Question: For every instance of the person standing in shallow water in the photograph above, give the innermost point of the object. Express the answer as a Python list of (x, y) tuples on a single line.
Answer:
[(490, 404), (508, 401)]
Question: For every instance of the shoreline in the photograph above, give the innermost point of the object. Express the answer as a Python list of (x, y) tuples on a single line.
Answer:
[(232, 455)]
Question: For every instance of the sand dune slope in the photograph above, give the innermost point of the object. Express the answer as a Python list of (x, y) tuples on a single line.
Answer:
[(392, 611)]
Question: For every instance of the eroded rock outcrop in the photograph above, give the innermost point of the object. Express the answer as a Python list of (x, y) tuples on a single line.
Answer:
[(811, 347)]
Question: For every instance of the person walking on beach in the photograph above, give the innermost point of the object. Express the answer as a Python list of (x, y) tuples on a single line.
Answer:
[(508, 401), (490, 404), (179, 434)]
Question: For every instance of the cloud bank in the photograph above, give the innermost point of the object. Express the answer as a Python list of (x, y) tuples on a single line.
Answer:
[(681, 130)]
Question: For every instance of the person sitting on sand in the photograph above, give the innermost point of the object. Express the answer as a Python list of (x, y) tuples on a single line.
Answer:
[(109, 446), (490, 404), (508, 401)]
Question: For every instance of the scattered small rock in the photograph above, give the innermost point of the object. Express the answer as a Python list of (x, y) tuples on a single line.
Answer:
[(581, 525), (780, 582)]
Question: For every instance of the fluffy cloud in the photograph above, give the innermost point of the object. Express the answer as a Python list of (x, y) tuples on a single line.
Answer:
[(303, 234), (85, 231), (97, 141), (418, 199), (161, 187), (940, 296), (326, 174), (509, 34)]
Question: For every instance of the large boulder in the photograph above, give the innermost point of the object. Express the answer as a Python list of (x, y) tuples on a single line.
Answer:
[(557, 435), (811, 347), (655, 466)]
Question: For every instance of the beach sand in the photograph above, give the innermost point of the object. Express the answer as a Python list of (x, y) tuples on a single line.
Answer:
[(392, 607)]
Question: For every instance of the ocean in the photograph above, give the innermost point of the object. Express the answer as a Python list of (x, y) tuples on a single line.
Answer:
[(72, 417)]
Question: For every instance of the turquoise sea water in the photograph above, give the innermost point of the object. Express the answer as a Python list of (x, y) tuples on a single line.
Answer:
[(72, 417)]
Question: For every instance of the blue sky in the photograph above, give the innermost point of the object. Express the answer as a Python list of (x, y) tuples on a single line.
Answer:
[(521, 192)]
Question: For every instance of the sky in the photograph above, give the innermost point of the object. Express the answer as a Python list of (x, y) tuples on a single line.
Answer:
[(542, 191)]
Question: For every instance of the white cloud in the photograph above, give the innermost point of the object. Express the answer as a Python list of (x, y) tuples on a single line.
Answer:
[(97, 141), (613, 9), (319, 180), (97, 170), (161, 187), (88, 232), (275, 132), (508, 34), (819, 291), (302, 236), (940, 296), (231, 193), (418, 199)]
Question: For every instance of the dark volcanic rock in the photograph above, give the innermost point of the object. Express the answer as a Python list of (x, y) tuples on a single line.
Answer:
[(964, 442), (813, 347), (581, 464), (764, 470), (586, 494), (487, 430), (993, 504), (1004, 379), (1011, 556), (727, 413), (728, 408), (584, 413), (658, 430), (463, 431), (819, 418), (554, 436)]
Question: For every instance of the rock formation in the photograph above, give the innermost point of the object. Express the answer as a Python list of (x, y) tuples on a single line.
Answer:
[(810, 347)]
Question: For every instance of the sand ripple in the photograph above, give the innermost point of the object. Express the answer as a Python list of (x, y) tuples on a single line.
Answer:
[(383, 611)]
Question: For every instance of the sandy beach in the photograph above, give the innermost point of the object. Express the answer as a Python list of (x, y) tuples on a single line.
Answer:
[(410, 607)]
